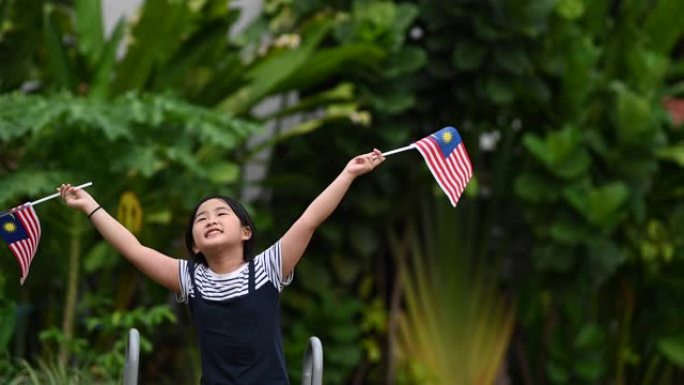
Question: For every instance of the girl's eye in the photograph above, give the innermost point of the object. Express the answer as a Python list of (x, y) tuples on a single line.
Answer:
[(200, 219)]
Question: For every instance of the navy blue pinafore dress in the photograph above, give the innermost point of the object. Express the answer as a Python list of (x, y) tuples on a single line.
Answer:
[(240, 339)]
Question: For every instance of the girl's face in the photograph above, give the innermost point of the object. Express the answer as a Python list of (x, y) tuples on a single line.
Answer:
[(216, 226)]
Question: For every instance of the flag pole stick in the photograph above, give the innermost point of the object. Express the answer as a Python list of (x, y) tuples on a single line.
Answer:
[(409, 147), (41, 200), (55, 195)]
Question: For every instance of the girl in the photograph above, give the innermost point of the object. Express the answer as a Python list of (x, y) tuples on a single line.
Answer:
[(233, 295)]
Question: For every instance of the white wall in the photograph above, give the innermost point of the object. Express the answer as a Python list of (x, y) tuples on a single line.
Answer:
[(113, 9)]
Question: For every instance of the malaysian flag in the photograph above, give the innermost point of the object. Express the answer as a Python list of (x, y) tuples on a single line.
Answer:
[(448, 160), (20, 228)]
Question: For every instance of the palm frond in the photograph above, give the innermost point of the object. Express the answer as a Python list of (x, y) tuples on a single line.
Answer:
[(455, 327)]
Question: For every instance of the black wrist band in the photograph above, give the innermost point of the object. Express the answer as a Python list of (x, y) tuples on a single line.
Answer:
[(93, 212)]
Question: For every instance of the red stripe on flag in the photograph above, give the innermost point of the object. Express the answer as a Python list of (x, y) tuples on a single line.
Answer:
[(25, 250), (461, 165), (458, 172), (435, 160), (452, 172), (436, 165), (465, 159), (30, 221), (18, 251)]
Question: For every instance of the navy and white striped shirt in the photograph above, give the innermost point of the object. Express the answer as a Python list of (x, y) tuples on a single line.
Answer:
[(220, 287)]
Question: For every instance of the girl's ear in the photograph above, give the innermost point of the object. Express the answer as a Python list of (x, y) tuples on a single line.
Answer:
[(195, 249), (246, 233)]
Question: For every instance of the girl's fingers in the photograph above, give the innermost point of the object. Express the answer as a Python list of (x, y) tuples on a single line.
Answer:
[(65, 190)]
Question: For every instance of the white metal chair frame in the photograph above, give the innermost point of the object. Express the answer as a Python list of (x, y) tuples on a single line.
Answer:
[(312, 373), (132, 358)]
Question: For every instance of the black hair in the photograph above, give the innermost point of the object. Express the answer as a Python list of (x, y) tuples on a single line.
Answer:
[(240, 212)]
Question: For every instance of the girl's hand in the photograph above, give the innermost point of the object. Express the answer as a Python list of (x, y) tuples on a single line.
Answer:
[(77, 198), (365, 163)]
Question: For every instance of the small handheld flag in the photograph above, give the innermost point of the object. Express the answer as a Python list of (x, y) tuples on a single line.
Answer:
[(21, 230), (447, 159)]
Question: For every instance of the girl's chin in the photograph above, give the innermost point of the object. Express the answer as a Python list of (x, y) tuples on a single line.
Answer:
[(214, 244)]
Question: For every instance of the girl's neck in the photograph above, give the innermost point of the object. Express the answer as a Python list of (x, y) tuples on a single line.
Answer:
[(226, 262)]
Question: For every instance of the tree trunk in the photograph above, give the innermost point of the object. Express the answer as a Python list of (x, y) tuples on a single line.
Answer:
[(72, 288)]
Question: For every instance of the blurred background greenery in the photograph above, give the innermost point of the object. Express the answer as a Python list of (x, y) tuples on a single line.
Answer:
[(562, 264)]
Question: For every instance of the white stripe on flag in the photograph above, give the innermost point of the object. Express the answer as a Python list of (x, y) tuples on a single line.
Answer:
[(445, 183), (460, 169), (26, 249), (446, 167), (462, 156), (457, 172), (436, 165), (439, 161)]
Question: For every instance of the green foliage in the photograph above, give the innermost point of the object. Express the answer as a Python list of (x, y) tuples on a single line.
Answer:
[(54, 373), (588, 190), (105, 348), (8, 319), (137, 135), (572, 92), (561, 152), (673, 349), (18, 38), (331, 317), (452, 309)]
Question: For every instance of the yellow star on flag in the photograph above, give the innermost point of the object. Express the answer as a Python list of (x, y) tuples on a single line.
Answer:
[(9, 227), (447, 136)]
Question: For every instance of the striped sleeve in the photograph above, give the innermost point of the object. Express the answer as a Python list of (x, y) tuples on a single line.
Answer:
[(271, 261), (184, 281)]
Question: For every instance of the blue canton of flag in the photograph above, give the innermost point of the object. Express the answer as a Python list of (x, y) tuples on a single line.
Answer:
[(20, 228), (12, 230), (448, 139), (448, 161)]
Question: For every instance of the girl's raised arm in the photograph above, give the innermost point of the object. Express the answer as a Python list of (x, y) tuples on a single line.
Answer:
[(297, 238), (161, 268)]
